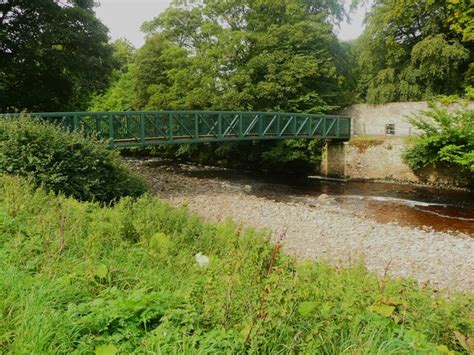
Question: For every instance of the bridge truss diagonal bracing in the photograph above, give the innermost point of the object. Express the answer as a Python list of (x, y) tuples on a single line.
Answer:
[(148, 128)]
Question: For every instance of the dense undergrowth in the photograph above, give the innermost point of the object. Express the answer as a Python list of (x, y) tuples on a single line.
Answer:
[(447, 140), (68, 162), (77, 277)]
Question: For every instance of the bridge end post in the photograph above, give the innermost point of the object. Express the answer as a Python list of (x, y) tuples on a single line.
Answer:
[(333, 162)]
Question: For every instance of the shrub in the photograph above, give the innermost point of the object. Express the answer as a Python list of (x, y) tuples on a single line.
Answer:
[(71, 163), (448, 139)]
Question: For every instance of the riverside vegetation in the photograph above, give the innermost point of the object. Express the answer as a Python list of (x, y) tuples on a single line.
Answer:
[(447, 140), (71, 163), (242, 55), (83, 277), (77, 277)]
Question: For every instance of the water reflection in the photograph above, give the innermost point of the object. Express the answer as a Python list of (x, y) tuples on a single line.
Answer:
[(418, 206)]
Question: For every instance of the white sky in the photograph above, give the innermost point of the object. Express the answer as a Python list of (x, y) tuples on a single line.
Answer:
[(124, 18)]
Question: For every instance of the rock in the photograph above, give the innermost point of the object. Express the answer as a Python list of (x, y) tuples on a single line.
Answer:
[(325, 199)]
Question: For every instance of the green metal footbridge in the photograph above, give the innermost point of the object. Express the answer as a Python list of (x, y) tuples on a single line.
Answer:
[(147, 128)]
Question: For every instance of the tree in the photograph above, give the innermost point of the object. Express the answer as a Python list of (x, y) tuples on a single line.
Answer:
[(243, 54), (250, 55), (53, 54), (461, 18), (412, 49), (120, 95)]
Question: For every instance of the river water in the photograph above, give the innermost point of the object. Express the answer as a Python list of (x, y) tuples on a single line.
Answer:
[(410, 205)]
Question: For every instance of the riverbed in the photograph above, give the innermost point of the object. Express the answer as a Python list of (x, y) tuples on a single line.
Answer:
[(398, 230)]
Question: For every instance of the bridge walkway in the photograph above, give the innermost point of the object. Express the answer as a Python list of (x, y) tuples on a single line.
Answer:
[(149, 128)]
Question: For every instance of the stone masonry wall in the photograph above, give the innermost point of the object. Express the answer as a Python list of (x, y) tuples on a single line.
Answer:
[(377, 159), (372, 154), (371, 119), (381, 159)]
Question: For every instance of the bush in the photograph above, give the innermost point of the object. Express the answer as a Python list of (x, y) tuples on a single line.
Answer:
[(448, 139), (78, 166), (77, 278)]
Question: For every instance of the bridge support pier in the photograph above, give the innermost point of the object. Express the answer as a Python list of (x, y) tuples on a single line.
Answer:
[(333, 163)]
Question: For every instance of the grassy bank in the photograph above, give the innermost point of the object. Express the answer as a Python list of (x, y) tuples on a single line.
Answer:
[(75, 277)]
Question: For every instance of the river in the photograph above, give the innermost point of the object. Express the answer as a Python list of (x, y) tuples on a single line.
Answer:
[(409, 205)]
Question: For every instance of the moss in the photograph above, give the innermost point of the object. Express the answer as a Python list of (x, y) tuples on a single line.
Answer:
[(365, 142)]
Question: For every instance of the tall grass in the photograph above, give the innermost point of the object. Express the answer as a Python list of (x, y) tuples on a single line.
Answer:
[(76, 277)]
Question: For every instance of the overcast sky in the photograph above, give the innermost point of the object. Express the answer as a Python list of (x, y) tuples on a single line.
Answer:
[(124, 18)]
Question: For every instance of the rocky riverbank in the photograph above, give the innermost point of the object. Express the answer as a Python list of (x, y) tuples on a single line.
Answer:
[(322, 229)]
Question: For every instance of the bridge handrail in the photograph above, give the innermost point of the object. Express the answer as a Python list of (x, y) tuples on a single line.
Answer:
[(62, 114), (143, 128)]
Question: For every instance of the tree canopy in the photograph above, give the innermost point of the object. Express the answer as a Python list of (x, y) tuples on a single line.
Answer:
[(233, 55), (412, 49), (250, 55), (119, 96), (243, 54), (53, 54)]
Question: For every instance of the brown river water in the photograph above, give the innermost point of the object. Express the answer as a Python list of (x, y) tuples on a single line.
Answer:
[(410, 205)]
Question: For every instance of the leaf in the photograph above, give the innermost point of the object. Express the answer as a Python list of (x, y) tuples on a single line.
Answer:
[(101, 271), (443, 349), (306, 308), (245, 332), (466, 342), (383, 310), (108, 349), (393, 301)]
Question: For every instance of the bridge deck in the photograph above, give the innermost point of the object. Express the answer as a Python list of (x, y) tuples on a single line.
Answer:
[(138, 129)]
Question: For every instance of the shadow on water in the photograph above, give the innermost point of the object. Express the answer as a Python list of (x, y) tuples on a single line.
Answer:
[(410, 205)]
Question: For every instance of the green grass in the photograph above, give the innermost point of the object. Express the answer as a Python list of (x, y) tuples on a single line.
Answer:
[(79, 278)]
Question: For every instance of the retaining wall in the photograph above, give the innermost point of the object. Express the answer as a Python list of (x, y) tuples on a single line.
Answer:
[(374, 154)]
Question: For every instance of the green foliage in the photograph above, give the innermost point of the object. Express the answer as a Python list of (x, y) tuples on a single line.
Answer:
[(120, 95), (461, 18), (448, 139), (415, 49), (293, 155), (99, 291), (243, 55), (124, 53), (469, 93), (283, 156), (82, 167), (53, 55)]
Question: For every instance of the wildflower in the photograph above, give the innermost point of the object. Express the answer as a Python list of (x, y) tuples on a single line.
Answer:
[(202, 260)]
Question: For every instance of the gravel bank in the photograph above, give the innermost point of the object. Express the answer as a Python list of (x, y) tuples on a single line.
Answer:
[(324, 230)]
